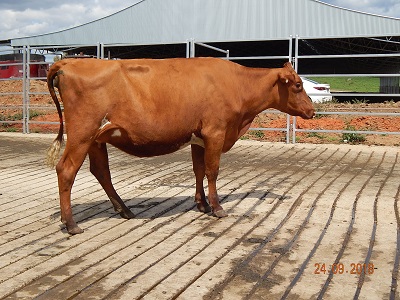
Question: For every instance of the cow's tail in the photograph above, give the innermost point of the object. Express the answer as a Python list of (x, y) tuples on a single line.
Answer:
[(54, 151)]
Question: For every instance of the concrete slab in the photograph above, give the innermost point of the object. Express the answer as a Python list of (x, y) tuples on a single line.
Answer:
[(305, 222)]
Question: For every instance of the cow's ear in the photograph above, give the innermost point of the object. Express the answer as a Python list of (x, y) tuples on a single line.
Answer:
[(284, 77), (289, 66)]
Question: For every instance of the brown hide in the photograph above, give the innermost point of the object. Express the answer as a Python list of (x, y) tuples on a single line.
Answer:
[(151, 107)]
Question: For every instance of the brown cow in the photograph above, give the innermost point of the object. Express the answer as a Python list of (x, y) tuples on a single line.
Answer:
[(149, 107)]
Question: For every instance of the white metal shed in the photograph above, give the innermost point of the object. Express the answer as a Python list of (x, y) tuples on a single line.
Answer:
[(150, 22)]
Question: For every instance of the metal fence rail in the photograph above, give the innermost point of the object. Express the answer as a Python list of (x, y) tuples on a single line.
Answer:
[(26, 107), (290, 129), (344, 131)]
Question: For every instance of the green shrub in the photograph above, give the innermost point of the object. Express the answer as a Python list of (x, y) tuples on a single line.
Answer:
[(352, 138)]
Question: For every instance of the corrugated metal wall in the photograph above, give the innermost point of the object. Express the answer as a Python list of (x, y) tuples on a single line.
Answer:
[(175, 21)]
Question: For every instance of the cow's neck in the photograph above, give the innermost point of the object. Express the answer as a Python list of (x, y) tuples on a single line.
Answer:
[(259, 90)]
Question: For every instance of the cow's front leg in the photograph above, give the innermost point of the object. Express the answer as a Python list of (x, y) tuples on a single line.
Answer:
[(199, 172), (212, 155), (100, 168)]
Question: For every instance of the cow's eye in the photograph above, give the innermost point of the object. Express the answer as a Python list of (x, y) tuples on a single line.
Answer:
[(298, 85)]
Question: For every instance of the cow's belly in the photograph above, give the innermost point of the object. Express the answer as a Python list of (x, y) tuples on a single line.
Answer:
[(121, 140), (146, 150)]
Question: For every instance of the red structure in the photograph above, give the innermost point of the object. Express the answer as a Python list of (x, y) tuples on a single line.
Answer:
[(7, 71)]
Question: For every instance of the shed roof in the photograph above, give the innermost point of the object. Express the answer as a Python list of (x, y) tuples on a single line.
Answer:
[(149, 22)]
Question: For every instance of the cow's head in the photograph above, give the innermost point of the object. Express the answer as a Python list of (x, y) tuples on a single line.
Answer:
[(292, 98)]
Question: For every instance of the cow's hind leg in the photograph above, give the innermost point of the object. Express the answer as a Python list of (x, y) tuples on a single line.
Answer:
[(67, 168), (199, 172), (99, 167)]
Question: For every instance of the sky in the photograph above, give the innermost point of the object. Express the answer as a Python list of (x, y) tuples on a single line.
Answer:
[(20, 18)]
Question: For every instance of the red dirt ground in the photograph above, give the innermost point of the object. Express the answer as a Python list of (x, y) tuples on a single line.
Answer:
[(44, 110)]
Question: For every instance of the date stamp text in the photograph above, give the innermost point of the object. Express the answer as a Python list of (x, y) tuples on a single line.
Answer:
[(340, 268)]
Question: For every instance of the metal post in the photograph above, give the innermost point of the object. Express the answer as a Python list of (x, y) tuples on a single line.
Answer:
[(192, 48), (187, 48), (288, 127), (296, 66), (294, 130), (24, 129), (98, 54), (27, 86), (102, 50), (296, 53)]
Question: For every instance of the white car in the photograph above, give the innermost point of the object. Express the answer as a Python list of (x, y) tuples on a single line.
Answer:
[(318, 92)]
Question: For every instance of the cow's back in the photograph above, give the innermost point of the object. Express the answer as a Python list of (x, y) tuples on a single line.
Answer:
[(158, 79)]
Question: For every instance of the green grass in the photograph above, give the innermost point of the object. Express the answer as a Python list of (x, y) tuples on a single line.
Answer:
[(351, 84), (352, 138), (19, 116), (256, 133)]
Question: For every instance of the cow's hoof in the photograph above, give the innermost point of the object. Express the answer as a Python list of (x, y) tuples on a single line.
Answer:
[(203, 208), (220, 213), (127, 214), (74, 230)]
